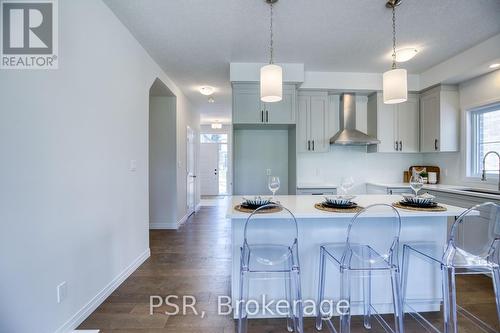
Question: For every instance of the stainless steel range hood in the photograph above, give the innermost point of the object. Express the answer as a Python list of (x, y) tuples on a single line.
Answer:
[(348, 134)]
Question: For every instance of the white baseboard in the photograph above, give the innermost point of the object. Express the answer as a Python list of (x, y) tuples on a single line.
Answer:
[(197, 208), (183, 220), (97, 300), (159, 225)]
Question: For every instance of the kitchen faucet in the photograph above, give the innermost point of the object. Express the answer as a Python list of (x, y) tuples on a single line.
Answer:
[(483, 176)]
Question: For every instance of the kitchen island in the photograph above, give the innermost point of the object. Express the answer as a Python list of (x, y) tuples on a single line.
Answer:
[(316, 227)]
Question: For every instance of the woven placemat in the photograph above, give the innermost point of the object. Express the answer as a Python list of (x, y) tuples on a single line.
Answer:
[(239, 208), (420, 209), (338, 210)]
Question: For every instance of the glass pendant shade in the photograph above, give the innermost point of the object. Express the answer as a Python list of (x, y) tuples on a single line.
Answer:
[(271, 83), (395, 86)]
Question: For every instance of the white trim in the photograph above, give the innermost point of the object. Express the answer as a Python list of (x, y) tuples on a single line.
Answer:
[(101, 296), (170, 225), (197, 208), (184, 219), (160, 225)]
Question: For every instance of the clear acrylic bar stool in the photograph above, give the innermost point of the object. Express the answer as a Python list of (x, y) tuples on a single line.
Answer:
[(270, 258), (461, 256), (361, 257)]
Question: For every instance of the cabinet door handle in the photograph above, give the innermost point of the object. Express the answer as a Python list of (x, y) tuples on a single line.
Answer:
[(261, 116), (308, 144), (267, 116), (400, 145), (436, 144), (396, 146), (313, 145)]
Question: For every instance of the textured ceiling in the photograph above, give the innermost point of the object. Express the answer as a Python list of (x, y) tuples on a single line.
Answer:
[(195, 40)]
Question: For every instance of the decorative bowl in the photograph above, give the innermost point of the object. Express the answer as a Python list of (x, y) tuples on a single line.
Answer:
[(256, 201), (340, 200), (424, 199)]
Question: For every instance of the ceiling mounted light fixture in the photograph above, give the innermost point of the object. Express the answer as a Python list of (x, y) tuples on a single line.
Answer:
[(211, 100), (395, 81), (406, 54), (207, 90), (493, 66), (216, 126), (271, 76)]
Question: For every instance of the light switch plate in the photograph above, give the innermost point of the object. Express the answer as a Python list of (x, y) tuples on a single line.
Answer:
[(133, 165), (62, 292), (268, 172)]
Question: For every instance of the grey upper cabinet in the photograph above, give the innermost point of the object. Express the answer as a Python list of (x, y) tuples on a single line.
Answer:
[(312, 123), (248, 108), (439, 119), (397, 126)]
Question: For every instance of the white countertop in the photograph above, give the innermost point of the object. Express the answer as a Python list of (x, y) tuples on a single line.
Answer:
[(456, 189), (302, 206)]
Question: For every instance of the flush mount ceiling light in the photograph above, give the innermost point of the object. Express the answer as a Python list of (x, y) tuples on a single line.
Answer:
[(271, 76), (403, 55), (207, 90), (395, 81), (211, 100), (216, 126), (493, 66)]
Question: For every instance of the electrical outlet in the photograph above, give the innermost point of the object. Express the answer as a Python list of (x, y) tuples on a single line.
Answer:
[(62, 292), (268, 172)]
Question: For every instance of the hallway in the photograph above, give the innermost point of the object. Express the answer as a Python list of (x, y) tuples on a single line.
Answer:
[(195, 261)]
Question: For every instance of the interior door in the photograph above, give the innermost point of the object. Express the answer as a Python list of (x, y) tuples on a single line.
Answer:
[(190, 171), (303, 135), (386, 132), (209, 173)]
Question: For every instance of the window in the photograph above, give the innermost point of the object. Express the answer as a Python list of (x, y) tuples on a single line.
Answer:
[(213, 138), (485, 137)]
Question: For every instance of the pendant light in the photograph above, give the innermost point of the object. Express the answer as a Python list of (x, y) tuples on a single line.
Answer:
[(395, 81), (271, 76)]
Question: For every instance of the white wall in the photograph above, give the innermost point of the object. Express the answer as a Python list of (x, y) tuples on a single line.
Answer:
[(480, 91), (70, 208), (162, 162)]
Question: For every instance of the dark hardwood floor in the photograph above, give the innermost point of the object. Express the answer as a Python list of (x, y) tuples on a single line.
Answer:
[(195, 260)]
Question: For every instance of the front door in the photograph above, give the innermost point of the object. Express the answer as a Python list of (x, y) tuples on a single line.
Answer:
[(190, 171), (209, 172)]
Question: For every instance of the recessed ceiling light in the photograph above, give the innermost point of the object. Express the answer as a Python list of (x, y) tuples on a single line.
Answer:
[(211, 100), (207, 90), (492, 66), (406, 54)]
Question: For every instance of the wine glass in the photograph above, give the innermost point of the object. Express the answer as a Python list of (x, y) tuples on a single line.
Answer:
[(416, 183), (346, 184), (273, 184)]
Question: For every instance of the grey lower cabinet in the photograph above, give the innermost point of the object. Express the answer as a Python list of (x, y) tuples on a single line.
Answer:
[(469, 236), (312, 122), (249, 109)]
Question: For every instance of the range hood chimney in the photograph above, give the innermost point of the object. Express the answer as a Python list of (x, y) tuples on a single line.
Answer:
[(348, 134)]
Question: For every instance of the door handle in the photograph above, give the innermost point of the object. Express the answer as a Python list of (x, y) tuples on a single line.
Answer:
[(267, 116), (262, 116), (308, 144), (313, 145), (436, 144), (400, 145), (396, 146)]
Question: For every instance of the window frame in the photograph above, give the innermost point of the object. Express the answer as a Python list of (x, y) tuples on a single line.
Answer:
[(474, 155)]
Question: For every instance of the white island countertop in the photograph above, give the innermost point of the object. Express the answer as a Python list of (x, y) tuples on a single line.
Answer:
[(454, 189), (302, 206)]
